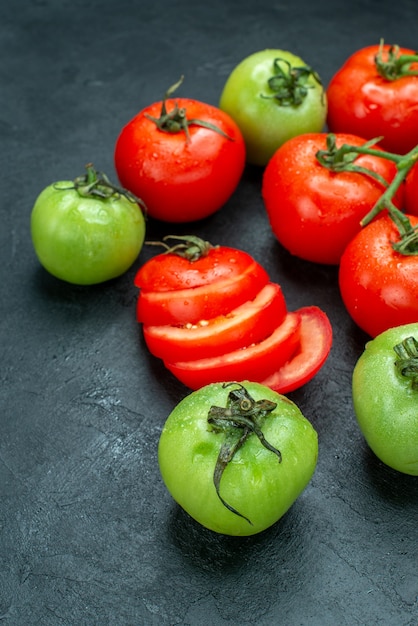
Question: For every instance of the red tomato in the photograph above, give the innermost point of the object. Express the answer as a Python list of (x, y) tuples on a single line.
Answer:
[(313, 350), (362, 101), (190, 291), (411, 191), (254, 363), (315, 212), (379, 286), (181, 176), (250, 323)]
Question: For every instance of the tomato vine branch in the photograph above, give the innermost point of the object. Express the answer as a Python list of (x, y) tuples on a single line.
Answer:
[(241, 417), (343, 159)]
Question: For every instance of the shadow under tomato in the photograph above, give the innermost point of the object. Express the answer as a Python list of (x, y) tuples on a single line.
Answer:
[(208, 550), (56, 292), (396, 488), (303, 271)]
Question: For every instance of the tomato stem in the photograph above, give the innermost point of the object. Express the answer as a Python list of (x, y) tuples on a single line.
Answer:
[(238, 420), (342, 159), (97, 185), (290, 84), (396, 65), (407, 363), (190, 247), (175, 121)]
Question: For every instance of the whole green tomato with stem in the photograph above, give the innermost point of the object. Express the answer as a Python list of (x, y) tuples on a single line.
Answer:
[(273, 96), (236, 456), (88, 230), (385, 397)]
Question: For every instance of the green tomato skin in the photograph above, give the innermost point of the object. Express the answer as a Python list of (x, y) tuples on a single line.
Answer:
[(254, 482), (85, 240), (385, 405), (264, 123)]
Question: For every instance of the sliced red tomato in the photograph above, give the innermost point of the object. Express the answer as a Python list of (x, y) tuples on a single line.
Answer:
[(314, 346), (250, 323), (185, 306), (194, 281), (254, 363)]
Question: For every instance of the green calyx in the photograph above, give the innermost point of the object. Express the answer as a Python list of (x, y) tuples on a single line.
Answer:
[(290, 84), (239, 419), (94, 184), (407, 362), (343, 159), (408, 234), (176, 121), (396, 65), (189, 247)]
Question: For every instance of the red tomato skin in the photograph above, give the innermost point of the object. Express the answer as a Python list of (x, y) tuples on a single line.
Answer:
[(378, 285), (315, 345), (314, 212), (190, 306), (411, 191), (363, 103), (168, 272), (250, 323), (254, 363), (179, 180)]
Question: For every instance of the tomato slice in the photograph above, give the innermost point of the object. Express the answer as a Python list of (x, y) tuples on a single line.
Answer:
[(314, 347), (189, 306), (250, 323), (253, 363)]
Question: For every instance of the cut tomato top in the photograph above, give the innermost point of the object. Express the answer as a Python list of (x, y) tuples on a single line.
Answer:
[(169, 272), (204, 302)]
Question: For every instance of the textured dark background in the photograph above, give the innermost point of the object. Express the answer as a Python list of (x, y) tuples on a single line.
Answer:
[(88, 534)]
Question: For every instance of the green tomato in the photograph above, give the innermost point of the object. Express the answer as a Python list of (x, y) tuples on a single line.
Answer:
[(273, 96), (385, 397), (87, 231), (236, 456)]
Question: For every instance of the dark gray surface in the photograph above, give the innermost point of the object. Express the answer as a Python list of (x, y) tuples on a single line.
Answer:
[(88, 533)]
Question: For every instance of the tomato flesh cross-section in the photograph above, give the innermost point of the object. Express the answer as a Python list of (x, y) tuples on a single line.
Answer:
[(315, 345), (254, 363), (250, 323)]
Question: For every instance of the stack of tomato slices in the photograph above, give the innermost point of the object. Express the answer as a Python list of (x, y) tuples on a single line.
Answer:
[(217, 317)]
